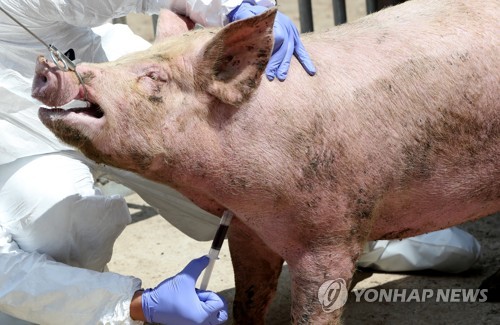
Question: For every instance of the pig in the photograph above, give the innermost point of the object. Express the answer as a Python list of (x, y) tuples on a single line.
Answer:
[(398, 134)]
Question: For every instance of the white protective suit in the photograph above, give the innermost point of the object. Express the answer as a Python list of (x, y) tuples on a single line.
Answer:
[(56, 229)]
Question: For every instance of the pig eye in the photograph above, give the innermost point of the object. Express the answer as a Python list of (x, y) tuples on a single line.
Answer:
[(151, 81), (153, 75)]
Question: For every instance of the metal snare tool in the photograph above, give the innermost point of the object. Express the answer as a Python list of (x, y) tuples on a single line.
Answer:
[(60, 60)]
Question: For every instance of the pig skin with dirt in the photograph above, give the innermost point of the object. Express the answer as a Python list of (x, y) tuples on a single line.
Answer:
[(398, 134)]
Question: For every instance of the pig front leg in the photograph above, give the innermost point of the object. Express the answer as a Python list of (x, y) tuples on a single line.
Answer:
[(256, 269), (321, 279)]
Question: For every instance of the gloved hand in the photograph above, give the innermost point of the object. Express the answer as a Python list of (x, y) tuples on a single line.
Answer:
[(176, 301), (286, 41)]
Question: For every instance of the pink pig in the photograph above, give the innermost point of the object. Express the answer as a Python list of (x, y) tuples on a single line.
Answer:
[(398, 134)]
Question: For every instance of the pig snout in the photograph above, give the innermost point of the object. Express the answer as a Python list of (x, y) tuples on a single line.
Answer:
[(52, 86)]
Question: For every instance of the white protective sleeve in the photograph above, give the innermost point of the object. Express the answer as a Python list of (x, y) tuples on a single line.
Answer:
[(171, 205), (450, 250), (92, 13), (208, 13), (49, 207), (35, 288)]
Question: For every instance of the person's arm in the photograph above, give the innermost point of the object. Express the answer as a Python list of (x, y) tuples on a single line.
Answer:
[(37, 289), (85, 13), (203, 12), (136, 312), (218, 13), (287, 41), (92, 13)]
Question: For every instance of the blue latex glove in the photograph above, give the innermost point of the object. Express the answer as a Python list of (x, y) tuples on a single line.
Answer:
[(175, 301), (286, 41)]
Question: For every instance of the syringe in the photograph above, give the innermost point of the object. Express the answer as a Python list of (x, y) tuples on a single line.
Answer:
[(213, 254)]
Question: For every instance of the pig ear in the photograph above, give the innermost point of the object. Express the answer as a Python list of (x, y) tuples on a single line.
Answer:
[(170, 24), (234, 60)]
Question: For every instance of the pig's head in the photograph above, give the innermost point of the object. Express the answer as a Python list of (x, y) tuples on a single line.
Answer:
[(141, 107)]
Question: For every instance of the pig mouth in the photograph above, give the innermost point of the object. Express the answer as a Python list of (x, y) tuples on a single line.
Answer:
[(91, 110), (73, 122), (77, 126)]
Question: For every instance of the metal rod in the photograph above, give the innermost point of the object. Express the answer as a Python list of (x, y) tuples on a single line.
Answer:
[(339, 13), (17, 22), (155, 24), (371, 6), (306, 17)]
